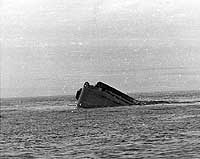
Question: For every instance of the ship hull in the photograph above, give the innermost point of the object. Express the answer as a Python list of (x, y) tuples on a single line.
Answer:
[(102, 95)]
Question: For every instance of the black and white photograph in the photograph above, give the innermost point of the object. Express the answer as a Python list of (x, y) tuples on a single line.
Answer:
[(100, 79)]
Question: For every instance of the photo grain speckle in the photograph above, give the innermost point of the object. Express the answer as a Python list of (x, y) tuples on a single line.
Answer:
[(143, 53)]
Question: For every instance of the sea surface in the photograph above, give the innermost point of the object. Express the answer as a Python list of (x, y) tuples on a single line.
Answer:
[(52, 127)]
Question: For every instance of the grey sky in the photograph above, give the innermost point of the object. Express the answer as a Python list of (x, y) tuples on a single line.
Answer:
[(51, 47)]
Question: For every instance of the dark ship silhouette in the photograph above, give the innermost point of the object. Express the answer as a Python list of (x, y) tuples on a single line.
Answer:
[(103, 95)]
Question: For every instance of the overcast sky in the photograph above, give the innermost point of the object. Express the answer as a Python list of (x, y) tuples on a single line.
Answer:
[(51, 47)]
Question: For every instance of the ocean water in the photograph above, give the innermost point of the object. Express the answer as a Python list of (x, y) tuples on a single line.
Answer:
[(52, 127)]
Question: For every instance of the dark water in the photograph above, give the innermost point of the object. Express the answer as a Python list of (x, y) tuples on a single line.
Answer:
[(52, 127)]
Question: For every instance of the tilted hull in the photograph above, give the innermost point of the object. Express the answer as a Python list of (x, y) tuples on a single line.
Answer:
[(102, 95)]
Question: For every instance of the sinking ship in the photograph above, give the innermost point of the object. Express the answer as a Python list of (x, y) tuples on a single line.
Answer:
[(103, 95)]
